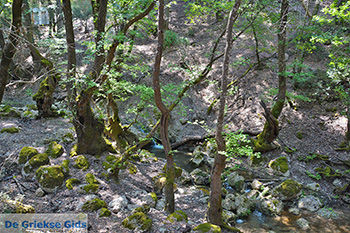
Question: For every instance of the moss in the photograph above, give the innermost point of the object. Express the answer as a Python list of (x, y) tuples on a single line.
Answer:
[(90, 178), (36, 161), (144, 209), (94, 205), (280, 164), (65, 166), (299, 135), (207, 227), (138, 220), (68, 137), (55, 150), (327, 172), (178, 171), (7, 111), (81, 162), (259, 145), (104, 212), (26, 153), (10, 130), (91, 188), (160, 183), (111, 159), (71, 182), (73, 151), (50, 177), (177, 216), (256, 160), (24, 209), (289, 188), (154, 196)]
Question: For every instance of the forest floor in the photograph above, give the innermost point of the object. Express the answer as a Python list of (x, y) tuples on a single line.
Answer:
[(307, 128)]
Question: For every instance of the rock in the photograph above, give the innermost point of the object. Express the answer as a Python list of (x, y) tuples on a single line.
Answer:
[(228, 216), (256, 184), (9, 167), (198, 157), (211, 149), (313, 186), (150, 199), (104, 212), (238, 203), (303, 224), (185, 178), (35, 162), (310, 203), (138, 221), (200, 177), (11, 130), (294, 211), (54, 150), (160, 184), (50, 178), (72, 182), (327, 213), (177, 216), (338, 183), (118, 203), (81, 162), (207, 227), (160, 204), (279, 165), (287, 190), (272, 206), (39, 192), (236, 181), (26, 153), (93, 205)]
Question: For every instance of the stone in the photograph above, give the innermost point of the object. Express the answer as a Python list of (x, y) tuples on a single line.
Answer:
[(338, 183), (160, 204), (235, 181), (287, 190), (177, 216), (303, 224), (310, 203), (93, 205), (138, 221), (198, 157), (272, 206), (313, 186), (50, 178), (39, 192), (26, 153), (200, 177), (118, 203), (54, 150), (279, 164), (207, 227), (34, 163), (11, 130), (294, 211), (228, 216), (327, 213), (256, 184), (238, 203)]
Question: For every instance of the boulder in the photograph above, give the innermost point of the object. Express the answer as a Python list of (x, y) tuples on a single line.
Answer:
[(310, 203), (200, 177), (50, 178), (236, 181), (287, 190), (303, 224), (118, 203)]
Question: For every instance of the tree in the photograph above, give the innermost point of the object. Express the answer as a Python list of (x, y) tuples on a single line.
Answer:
[(215, 208), (10, 47), (164, 120), (271, 129)]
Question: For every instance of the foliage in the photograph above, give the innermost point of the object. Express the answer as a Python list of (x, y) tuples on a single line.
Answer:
[(81, 9), (171, 39)]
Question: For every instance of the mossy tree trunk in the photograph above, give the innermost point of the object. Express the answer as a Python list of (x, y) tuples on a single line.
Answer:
[(10, 47), (2, 40), (215, 207), (269, 134)]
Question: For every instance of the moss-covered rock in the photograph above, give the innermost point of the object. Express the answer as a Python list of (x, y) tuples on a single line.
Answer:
[(91, 188), (199, 177), (10, 130), (8, 111), (280, 164), (73, 151), (26, 153), (35, 162), (288, 189), (177, 216), (93, 205), (54, 150), (138, 221), (178, 171), (256, 160), (327, 172), (104, 212), (65, 166), (81, 162), (72, 182), (90, 178), (299, 135), (50, 178), (207, 227)]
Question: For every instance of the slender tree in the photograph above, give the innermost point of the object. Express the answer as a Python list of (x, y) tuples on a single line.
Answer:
[(270, 132), (164, 121), (10, 47), (215, 208)]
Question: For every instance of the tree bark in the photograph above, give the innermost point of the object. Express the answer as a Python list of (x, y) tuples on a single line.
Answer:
[(164, 121), (72, 61), (215, 207), (2, 40), (10, 47), (266, 137)]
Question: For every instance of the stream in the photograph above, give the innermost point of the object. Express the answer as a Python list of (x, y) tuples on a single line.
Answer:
[(258, 222)]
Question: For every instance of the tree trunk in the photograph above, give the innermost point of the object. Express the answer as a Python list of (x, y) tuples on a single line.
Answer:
[(10, 47), (72, 62), (264, 139), (215, 207), (164, 121), (2, 40), (257, 53)]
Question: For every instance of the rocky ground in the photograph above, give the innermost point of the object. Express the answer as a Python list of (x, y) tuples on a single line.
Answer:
[(318, 200)]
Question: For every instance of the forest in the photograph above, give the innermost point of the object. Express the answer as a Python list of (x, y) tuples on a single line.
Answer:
[(177, 116)]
